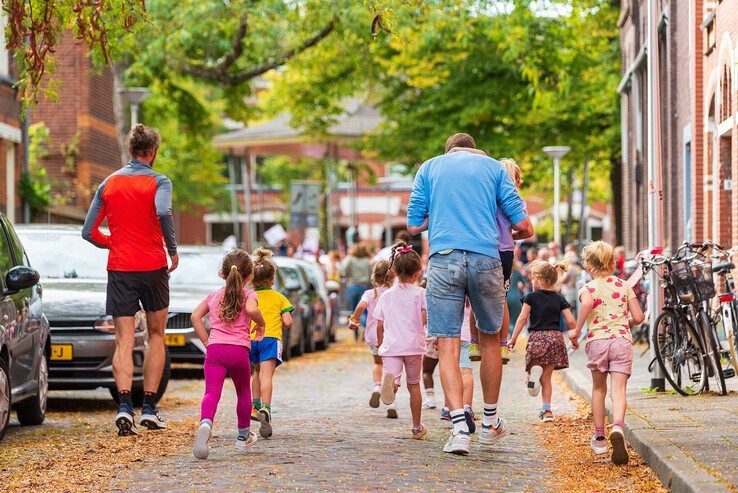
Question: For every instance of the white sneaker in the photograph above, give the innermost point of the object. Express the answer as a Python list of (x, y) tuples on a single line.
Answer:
[(619, 450), (388, 389), (202, 437), (243, 442), (458, 443), (490, 435), (392, 411), (599, 447), (534, 381), (374, 399), (430, 403)]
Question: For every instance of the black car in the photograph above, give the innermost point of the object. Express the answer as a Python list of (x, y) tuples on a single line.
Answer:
[(25, 346)]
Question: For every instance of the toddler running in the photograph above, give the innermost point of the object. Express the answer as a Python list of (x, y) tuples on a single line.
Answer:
[(382, 280), (605, 303), (546, 349), (266, 354), (401, 318), (232, 308)]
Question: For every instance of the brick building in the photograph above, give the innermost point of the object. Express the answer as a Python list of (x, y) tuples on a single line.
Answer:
[(11, 135), (696, 68), (84, 145)]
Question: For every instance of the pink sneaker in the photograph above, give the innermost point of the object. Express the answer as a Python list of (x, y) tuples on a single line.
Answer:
[(599, 446), (619, 450)]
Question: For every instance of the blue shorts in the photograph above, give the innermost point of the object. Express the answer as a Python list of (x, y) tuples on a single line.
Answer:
[(464, 360), (453, 277), (266, 349)]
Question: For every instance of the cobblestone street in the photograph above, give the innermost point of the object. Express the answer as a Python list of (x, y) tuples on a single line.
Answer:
[(326, 438)]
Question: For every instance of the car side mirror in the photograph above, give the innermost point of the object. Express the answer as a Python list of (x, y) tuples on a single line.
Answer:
[(19, 278), (333, 286)]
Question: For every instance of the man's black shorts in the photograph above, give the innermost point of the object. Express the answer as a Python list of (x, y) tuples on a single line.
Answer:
[(127, 289), (507, 259)]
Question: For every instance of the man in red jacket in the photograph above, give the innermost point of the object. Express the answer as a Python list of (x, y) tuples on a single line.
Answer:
[(137, 203)]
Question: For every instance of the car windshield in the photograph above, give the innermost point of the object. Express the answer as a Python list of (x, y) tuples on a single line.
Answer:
[(64, 255), (198, 269)]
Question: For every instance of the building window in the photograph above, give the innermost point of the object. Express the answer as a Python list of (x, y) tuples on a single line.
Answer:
[(688, 191), (4, 55), (709, 33)]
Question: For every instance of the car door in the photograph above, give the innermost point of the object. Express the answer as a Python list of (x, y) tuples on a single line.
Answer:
[(28, 311), (11, 305)]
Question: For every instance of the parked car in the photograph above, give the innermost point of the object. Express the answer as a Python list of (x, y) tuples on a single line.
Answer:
[(292, 283), (25, 347), (323, 303), (196, 276), (74, 277)]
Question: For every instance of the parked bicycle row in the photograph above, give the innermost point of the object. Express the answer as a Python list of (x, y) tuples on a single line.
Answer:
[(695, 334)]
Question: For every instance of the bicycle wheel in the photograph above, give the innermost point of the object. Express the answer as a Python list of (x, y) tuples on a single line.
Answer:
[(728, 340), (679, 353), (713, 354)]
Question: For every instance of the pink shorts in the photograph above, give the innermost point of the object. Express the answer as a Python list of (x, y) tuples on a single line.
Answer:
[(413, 367), (608, 355)]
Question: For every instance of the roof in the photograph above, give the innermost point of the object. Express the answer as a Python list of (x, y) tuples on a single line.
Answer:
[(358, 119)]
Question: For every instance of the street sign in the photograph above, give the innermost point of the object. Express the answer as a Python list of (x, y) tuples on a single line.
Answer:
[(304, 203)]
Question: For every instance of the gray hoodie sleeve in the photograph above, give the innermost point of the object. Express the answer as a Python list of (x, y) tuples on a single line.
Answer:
[(163, 203)]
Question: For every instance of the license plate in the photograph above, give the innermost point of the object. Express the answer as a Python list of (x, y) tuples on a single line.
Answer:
[(61, 352), (174, 339)]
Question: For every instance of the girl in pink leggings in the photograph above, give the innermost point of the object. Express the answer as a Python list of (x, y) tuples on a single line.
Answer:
[(609, 308), (401, 318), (231, 309)]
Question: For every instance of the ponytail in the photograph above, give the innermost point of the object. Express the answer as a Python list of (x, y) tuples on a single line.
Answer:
[(236, 269)]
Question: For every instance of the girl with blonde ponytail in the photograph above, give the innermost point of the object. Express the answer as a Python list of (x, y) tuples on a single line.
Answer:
[(232, 308)]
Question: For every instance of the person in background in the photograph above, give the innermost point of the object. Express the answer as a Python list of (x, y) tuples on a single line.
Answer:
[(332, 267), (516, 293), (356, 269), (619, 254), (544, 254), (554, 249)]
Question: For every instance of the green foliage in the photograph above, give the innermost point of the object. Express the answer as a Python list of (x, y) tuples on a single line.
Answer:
[(34, 187)]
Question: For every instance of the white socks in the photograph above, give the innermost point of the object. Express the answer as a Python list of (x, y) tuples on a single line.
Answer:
[(459, 421), (490, 415)]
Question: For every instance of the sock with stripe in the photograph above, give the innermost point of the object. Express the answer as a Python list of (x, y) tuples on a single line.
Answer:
[(490, 415), (600, 433), (459, 421)]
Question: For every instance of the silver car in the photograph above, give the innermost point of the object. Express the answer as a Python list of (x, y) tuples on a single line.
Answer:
[(74, 277)]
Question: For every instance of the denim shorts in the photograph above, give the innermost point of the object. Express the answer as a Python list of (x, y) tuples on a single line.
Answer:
[(453, 277)]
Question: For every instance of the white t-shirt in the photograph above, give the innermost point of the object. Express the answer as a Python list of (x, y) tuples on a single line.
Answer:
[(383, 254), (401, 309)]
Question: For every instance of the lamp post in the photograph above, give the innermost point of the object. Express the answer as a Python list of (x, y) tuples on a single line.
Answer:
[(135, 96), (556, 153), (387, 182)]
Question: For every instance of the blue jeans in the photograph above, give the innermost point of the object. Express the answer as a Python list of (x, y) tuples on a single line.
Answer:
[(454, 277), (354, 292)]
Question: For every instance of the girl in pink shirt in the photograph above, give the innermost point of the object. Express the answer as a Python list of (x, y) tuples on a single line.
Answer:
[(401, 319), (231, 309), (382, 279)]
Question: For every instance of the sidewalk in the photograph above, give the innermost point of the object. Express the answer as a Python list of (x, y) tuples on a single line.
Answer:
[(691, 443)]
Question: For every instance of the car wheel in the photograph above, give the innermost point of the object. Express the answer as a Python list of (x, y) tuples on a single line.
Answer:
[(309, 341), (137, 393), (33, 411), (4, 397)]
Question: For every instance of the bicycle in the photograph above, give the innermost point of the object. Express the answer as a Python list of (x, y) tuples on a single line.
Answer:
[(677, 342), (727, 323)]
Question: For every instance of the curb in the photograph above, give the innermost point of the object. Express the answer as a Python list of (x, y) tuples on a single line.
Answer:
[(676, 470)]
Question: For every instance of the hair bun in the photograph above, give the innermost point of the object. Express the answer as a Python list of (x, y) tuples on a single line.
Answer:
[(262, 253)]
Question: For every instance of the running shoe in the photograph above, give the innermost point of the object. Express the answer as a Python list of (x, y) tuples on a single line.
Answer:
[(151, 419), (458, 443), (598, 445), (265, 418), (491, 435), (202, 437), (445, 414), (374, 399), (533, 383), (619, 450), (429, 403), (469, 417), (243, 442), (254, 414), (546, 416), (475, 354), (392, 411), (419, 432), (124, 421), (388, 389), (505, 354)]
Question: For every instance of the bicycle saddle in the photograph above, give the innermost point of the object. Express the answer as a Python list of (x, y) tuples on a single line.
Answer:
[(723, 267)]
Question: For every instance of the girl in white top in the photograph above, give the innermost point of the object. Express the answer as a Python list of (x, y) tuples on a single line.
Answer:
[(382, 279), (401, 319)]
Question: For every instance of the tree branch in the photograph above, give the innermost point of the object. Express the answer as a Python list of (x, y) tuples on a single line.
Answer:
[(220, 74)]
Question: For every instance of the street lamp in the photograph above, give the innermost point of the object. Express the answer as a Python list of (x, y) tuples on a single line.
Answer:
[(135, 96), (387, 182), (557, 152)]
